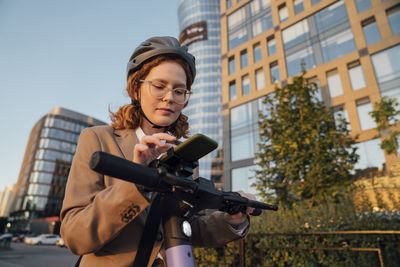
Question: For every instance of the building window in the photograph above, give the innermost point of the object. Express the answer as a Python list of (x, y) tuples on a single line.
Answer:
[(371, 31), (363, 109), (356, 75), (334, 83), (271, 43), (318, 39), (245, 85), (370, 153), (274, 72), (393, 15), (340, 114), (318, 94), (337, 45), (242, 140), (362, 5), (243, 59), (387, 71), (232, 91), (243, 178), (257, 53), (231, 65), (249, 21), (298, 6), (283, 13), (228, 4), (260, 80), (313, 2)]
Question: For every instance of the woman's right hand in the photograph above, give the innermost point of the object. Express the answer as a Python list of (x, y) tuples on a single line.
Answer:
[(151, 147)]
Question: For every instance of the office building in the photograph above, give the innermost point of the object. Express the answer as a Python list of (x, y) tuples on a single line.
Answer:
[(5, 200), (39, 191), (350, 49), (199, 22)]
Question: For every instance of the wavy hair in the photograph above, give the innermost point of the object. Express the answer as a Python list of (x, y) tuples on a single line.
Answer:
[(130, 116)]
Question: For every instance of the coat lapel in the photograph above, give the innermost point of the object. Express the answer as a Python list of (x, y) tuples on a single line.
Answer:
[(126, 140)]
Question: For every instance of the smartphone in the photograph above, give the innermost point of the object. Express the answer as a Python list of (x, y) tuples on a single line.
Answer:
[(194, 148)]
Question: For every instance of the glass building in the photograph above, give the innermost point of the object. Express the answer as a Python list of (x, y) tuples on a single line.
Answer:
[(349, 49), (39, 191), (199, 22)]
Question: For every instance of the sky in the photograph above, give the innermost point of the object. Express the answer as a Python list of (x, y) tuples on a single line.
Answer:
[(71, 54)]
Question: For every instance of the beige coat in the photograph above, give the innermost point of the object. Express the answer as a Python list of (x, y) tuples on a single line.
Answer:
[(103, 217)]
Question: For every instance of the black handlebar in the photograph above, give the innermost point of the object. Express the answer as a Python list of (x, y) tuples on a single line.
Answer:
[(200, 194)]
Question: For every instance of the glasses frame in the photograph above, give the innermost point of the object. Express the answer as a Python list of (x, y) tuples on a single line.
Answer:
[(150, 82)]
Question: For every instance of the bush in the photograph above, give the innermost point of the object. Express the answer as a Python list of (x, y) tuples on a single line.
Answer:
[(324, 235)]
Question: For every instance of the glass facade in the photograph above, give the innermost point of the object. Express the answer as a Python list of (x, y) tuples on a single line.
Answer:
[(205, 106), (249, 21), (318, 39), (48, 157), (244, 130), (387, 71)]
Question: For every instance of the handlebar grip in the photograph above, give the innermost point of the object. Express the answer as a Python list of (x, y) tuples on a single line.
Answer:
[(117, 167), (256, 212)]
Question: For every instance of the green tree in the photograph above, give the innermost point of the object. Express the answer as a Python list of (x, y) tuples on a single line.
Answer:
[(386, 115), (303, 153)]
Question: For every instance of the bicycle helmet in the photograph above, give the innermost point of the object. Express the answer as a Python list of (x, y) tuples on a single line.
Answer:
[(156, 46)]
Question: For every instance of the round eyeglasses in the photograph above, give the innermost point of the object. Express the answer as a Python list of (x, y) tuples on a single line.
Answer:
[(159, 90)]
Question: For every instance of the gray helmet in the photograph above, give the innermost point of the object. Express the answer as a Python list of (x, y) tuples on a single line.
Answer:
[(156, 46)]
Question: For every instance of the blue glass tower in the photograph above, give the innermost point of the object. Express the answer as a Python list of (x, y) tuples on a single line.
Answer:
[(199, 23)]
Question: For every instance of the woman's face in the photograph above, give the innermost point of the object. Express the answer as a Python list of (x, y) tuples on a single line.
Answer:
[(164, 111)]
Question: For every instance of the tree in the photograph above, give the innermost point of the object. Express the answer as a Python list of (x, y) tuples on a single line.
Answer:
[(303, 153), (386, 115)]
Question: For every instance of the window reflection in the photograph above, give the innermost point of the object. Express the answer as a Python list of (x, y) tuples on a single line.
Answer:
[(371, 31), (318, 39), (363, 109), (370, 154), (243, 178), (334, 83)]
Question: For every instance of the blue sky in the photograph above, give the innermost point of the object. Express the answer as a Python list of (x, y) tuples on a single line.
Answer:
[(71, 54)]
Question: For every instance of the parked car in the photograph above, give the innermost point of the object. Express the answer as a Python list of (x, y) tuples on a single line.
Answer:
[(18, 238), (44, 239), (60, 242), (27, 238)]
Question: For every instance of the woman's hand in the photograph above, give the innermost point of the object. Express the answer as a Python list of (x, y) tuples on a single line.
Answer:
[(151, 147), (239, 218)]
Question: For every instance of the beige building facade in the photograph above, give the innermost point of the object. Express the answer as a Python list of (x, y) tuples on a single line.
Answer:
[(351, 50)]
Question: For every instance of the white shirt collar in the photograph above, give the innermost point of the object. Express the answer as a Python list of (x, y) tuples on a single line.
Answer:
[(139, 133)]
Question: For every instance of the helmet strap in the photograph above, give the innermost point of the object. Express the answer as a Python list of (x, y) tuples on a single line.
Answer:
[(137, 105)]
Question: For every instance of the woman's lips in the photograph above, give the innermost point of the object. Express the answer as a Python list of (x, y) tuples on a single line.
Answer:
[(165, 110)]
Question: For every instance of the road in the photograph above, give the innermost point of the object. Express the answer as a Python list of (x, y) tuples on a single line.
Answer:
[(22, 255)]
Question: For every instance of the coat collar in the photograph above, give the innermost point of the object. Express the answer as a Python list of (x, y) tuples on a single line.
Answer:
[(126, 140)]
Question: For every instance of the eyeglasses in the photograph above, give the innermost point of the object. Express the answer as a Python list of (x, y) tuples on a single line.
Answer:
[(159, 90)]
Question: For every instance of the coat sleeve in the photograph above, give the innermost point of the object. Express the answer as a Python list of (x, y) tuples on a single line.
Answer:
[(213, 231), (94, 213)]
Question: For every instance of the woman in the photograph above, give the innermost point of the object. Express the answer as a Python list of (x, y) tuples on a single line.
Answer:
[(103, 217)]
